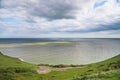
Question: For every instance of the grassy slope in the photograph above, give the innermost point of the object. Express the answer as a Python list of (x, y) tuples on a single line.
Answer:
[(14, 69), (6, 61), (98, 69)]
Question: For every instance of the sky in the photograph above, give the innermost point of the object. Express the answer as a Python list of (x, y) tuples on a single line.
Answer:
[(59, 18)]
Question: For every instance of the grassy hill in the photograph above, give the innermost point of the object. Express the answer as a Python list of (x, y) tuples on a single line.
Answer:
[(6, 61), (14, 69)]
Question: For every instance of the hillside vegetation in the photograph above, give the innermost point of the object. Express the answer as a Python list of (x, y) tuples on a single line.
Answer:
[(14, 69)]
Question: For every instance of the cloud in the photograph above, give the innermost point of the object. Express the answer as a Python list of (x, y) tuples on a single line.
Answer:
[(42, 8), (53, 9), (36, 17)]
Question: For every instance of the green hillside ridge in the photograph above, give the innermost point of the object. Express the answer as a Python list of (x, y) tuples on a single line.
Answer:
[(6, 61), (14, 69)]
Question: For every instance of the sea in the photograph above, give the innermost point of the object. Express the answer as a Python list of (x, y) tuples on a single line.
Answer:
[(60, 50)]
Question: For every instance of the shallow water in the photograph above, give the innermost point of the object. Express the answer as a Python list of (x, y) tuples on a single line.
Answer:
[(62, 51)]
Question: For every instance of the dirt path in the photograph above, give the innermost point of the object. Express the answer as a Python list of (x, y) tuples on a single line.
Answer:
[(64, 68), (43, 70), (46, 69)]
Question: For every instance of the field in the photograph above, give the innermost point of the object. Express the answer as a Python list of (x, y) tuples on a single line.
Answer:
[(14, 69)]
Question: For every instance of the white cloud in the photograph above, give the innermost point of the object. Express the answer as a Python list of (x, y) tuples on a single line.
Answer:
[(63, 17)]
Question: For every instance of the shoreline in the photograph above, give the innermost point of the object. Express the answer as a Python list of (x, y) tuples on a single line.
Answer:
[(21, 59), (58, 72)]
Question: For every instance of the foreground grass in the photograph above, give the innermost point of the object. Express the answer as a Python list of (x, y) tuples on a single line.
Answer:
[(14, 69)]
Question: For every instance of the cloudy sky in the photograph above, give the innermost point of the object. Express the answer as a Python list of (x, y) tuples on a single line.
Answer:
[(60, 18)]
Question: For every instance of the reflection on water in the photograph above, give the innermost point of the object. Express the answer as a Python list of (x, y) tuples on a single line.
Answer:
[(72, 52)]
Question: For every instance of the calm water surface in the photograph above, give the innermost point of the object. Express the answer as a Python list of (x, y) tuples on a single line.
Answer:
[(61, 51)]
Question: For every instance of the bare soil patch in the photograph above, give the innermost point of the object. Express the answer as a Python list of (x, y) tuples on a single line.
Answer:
[(43, 70), (47, 69)]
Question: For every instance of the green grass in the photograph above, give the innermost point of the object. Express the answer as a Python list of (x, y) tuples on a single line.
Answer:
[(14, 69), (6, 61)]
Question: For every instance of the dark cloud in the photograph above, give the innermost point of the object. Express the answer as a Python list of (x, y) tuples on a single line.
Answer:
[(52, 9), (0, 3), (48, 9), (115, 26)]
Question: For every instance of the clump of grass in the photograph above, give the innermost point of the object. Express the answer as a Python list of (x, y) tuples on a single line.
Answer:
[(61, 65)]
